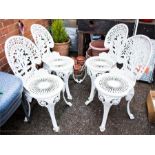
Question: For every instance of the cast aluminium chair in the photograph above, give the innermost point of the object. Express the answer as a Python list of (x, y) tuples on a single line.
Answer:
[(53, 62), (22, 54), (106, 61), (119, 83)]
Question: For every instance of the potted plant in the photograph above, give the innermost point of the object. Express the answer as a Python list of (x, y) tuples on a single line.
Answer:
[(60, 37)]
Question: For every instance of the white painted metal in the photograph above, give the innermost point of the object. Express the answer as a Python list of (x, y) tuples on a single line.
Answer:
[(22, 54), (120, 83), (95, 66), (64, 67), (42, 38), (136, 55), (115, 39)]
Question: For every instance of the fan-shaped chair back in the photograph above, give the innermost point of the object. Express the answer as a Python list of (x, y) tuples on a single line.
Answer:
[(21, 54), (115, 39), (136, 54), (42, 38)]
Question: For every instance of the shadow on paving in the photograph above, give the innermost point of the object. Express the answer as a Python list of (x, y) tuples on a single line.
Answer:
[(85, 120)]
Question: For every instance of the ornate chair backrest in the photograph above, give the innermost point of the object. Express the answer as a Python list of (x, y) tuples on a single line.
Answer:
[(136, 55), (42, 38), (115, 39), (21, 54)]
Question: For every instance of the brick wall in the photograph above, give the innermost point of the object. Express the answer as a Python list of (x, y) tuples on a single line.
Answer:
[(9, 27)]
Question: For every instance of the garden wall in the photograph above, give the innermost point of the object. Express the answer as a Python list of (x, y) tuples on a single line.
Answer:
[(9, 27)]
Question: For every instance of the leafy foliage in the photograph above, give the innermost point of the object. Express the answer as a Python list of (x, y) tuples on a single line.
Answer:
[(58, 31)]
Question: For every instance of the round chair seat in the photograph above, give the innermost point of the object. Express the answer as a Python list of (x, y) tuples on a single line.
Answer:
[(100, 64), (45, 86), (112, 84), (61, 63)]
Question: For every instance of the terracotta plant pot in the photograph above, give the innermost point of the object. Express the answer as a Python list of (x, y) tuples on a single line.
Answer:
[(97, 47), (80, 60), (62, 48)]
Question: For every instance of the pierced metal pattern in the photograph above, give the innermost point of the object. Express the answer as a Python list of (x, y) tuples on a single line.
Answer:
[(61, 63), (63, 67), (136, 54), (42, 38), (113, 84), (44, 42), (108, 99), (115, 39), (39, 84), (119, 83), (97, 63), (21, 54), (42, 86)]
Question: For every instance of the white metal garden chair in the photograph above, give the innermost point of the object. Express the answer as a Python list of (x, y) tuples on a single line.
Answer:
[(61, 65), (22, 55), (106, 61), (119, 83)]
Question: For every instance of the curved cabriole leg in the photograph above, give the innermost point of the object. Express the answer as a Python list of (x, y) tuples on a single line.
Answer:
[(66, 78), (68, 103), (107, 103), (27, 107), (27, 118), (50, 108), (92, 93), (106, 108), (128, 99)]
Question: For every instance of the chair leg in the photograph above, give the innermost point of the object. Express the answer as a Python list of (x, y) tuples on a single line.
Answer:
[(68, 103), (50, 108), (128, 99), (106, 109), (27, 118), (69, 96), (26, 107), (92, 93)]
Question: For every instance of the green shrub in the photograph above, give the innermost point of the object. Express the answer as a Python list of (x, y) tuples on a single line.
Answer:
[(58, 31)]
